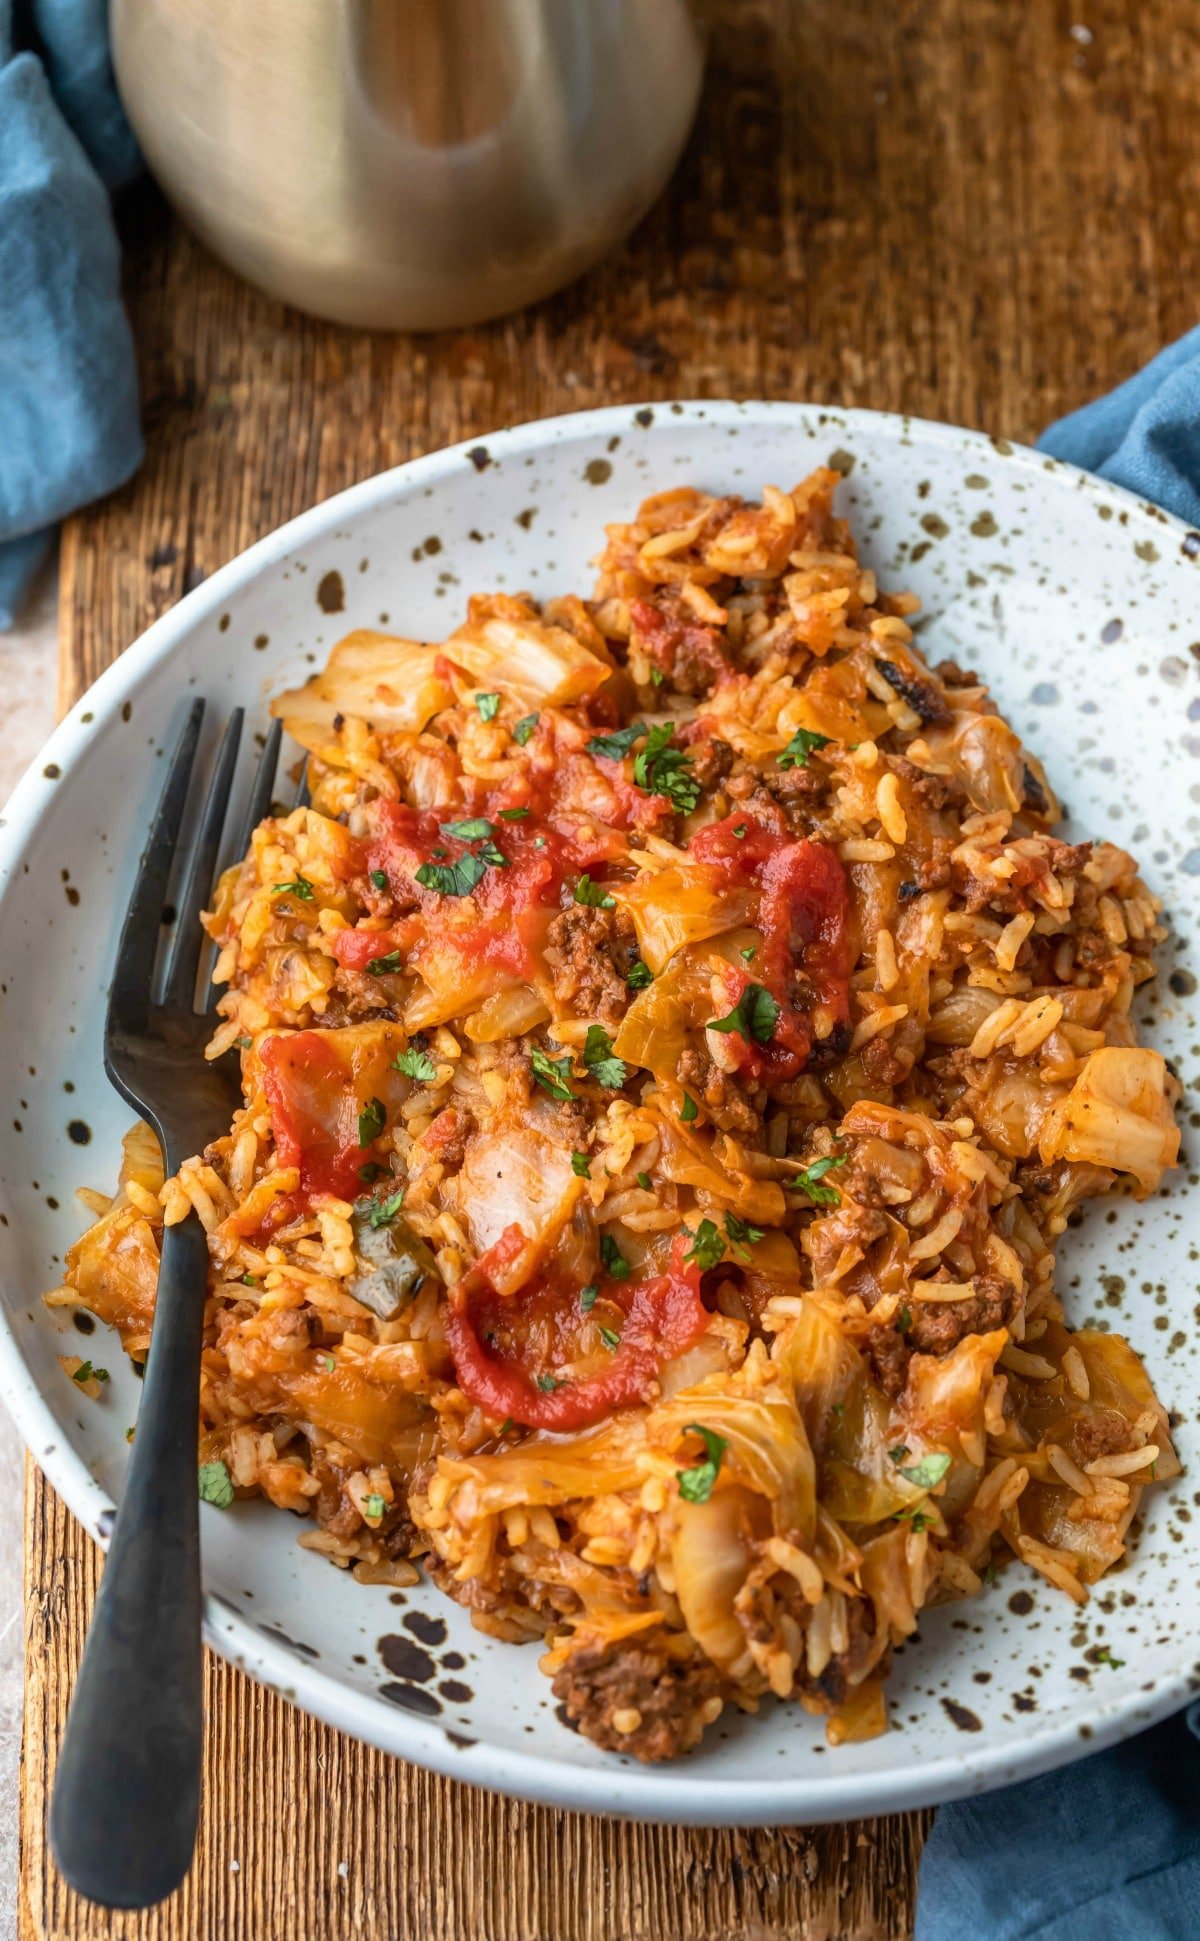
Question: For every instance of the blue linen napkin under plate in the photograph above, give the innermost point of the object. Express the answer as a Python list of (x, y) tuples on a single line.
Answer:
[(69, 428), (1107, 1849)]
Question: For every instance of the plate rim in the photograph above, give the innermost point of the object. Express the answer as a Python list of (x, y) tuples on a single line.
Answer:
[(665, 1793)]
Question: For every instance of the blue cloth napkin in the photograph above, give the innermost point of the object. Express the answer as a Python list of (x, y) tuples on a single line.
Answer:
[(1107, 1849), (69, 428), (1145, 435)]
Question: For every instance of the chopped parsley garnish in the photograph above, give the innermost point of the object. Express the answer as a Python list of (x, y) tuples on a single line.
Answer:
[(809, 1181), (643, 1180), (523, 728), (741, 1234), (299, 887), (380, 1213), (917, 1518), (663, 770), (129, 1434), (551, 1073), (617, 745), (546, 1383), (1103, 1656), (380, 878), (749, 953), (514, 815), (491, 854), (593, 895), (506, 1427), (899, 1452), (598, 1057), (587, 1297), (216, 1484), (991, 1575), (329, 1364), (580, 1161), (656, 677), (904, 1320), (474, 829), (739, 834), (373, 1508), (415, 1064), (754, 1015), (639, 976), (539, 842), (370, 1172), (800, 747), (696, 1483), (614, 1260), (244, 1042), (610, 1337), (385, 965), (688, 1109), (86, 1373), (371, 1121), (488, 705), (453, 879), (707, 1248), (928, 1472), (250, 1280)]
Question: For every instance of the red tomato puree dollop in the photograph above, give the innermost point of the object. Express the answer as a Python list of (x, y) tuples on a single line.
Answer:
[(663, 1314)]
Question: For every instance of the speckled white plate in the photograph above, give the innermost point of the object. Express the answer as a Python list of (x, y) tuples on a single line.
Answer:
[(1082, 608)]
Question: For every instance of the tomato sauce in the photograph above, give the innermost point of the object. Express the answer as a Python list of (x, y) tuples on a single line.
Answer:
[(681, 647), (804, 919), (499, 922), (500, 1345), (315, 1105), (593, 793), (577, 810)]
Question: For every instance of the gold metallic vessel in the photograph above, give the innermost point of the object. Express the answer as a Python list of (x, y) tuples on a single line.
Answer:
[(409, 164)]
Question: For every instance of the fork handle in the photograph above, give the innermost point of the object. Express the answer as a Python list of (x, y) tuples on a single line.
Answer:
[(127, 1790)]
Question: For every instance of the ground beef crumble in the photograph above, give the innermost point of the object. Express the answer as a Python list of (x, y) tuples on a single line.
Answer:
[(600, 1682), (687, 654), (338, 1514), (712, 759), (887, 1355), (935, 1327), (1102, 1432), (722, 1096), (939, 1326), (594, 950)]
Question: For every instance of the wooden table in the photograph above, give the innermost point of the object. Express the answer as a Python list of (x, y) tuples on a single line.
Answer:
[(979, 210)]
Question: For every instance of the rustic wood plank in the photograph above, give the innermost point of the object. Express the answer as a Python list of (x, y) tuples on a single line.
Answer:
[(420, 1852), (958, 208)]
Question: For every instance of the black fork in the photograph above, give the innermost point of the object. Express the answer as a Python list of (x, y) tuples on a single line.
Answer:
[(127, 1790)]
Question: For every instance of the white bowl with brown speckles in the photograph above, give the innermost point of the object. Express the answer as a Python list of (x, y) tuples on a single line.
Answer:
[(1079, 605)]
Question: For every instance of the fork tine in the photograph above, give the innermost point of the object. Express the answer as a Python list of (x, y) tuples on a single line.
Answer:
[(133, 974), (259, 804), (183, 960), (303, 798)]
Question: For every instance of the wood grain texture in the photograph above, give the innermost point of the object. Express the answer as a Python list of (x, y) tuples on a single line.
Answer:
[(368, 1846), (956, 208)]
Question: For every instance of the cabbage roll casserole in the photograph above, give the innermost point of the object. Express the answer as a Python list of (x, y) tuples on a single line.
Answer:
[(673, 1042)]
